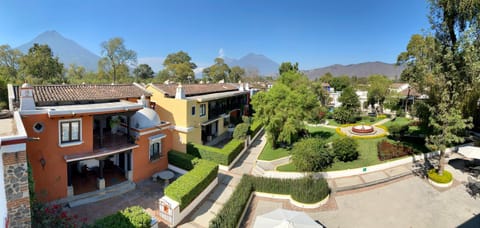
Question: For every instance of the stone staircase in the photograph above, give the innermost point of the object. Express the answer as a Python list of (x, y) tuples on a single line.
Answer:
[(95, 196)]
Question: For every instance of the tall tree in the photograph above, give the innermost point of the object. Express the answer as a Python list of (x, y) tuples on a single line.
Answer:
[(322, 94), (447, 63), (115, 54), (285, 107), (340, 83), (378, 90), (9, 62), (236, 74), (350, 99), (76, 74), (143, 72), (286, 67), (40, 66), (179, 66), (327, 78), (217, 72)]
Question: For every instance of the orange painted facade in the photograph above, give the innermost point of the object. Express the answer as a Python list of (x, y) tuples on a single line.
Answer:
[(51, 179), (47, 157), (143, 168)]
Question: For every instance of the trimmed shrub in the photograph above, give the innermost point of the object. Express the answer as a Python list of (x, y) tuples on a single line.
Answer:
[(247, 119), (186, 188), (304, 190), (222, 156), (443, 179), (131, 217), (345, 149), (255, 127), (311, 155), (182, 160), (241, 131), (233, 208)]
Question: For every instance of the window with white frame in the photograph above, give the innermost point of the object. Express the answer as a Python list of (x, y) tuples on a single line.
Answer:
[(203, 109), (155, 151), (70, 131)]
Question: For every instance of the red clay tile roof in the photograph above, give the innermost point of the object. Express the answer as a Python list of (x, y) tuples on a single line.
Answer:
[(397, 85), (197, 89), (413, 92), (66, 94)]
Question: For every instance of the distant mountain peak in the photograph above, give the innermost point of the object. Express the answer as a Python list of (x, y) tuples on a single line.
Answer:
[(253, 61), (68, 51)]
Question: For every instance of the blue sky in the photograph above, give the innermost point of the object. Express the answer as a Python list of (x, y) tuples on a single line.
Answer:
[(314, 33)]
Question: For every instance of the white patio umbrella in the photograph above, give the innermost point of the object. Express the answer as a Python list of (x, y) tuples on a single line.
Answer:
[(470, 152), (281, 218)]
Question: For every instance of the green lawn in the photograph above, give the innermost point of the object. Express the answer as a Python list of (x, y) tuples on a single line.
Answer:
[(368, 156), (399, 120), (325, 133), (332, 122), (269, 154)]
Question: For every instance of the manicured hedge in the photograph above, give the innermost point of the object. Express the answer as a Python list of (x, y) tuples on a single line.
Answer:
[(255, 127), (186, 188), (305, 190), (222, 156), (182, 160), (132, 217), (232, 210), (443, 179)]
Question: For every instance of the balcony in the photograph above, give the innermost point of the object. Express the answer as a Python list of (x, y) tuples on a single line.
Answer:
[(225, 105)]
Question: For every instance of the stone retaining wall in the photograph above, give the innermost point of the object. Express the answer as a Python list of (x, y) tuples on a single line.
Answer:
[(15, 173)]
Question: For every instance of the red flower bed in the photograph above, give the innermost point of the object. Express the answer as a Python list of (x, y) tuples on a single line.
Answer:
[(387, 150)]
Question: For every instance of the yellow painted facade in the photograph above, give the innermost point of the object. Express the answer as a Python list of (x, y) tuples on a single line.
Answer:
[(187, 125)]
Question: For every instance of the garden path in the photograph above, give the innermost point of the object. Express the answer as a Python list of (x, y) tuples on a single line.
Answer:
[(382, 121), (227, 181)]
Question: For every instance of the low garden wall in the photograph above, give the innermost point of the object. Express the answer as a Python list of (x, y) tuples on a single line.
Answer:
[(227, 156), (362, 170), (184, 194), (306, 191)]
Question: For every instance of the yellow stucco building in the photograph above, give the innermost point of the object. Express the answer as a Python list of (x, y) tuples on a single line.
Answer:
[(200, 113)]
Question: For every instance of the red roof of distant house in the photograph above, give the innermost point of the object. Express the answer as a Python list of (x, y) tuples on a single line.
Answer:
[(67, 94), (197, 89)]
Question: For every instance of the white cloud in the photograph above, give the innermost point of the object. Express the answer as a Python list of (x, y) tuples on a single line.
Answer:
[(221, 53), (198, 72), (156, 63)]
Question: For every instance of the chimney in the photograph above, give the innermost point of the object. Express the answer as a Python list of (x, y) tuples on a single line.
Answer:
[(180, 94), (240, 88), (26, 97), (143, 101), (247, 86)]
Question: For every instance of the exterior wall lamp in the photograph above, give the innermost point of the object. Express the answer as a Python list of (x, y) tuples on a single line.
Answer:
[(43, 162)]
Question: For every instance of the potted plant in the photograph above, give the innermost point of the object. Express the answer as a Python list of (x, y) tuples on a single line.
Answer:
[(114, 124)]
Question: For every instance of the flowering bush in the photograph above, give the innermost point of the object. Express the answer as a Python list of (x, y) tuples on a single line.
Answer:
[(54, 216)]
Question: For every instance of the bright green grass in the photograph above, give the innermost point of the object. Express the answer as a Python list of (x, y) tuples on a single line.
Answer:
[(368, 156), (328, 134), (399, 120), (269, 154), (332, 122)]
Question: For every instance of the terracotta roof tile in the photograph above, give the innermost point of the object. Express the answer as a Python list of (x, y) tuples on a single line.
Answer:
[(51, 94), (197, 89)]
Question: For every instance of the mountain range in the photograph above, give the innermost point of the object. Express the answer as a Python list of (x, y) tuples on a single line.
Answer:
[(360, 70), (70, 52)]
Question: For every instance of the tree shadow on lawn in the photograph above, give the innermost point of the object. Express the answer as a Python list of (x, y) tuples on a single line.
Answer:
[(321, 134)]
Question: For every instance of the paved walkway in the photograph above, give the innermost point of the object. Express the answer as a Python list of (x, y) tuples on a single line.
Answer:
[(202, 215)]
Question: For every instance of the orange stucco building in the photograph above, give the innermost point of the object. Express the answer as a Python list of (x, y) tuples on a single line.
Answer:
[(90, 137)]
